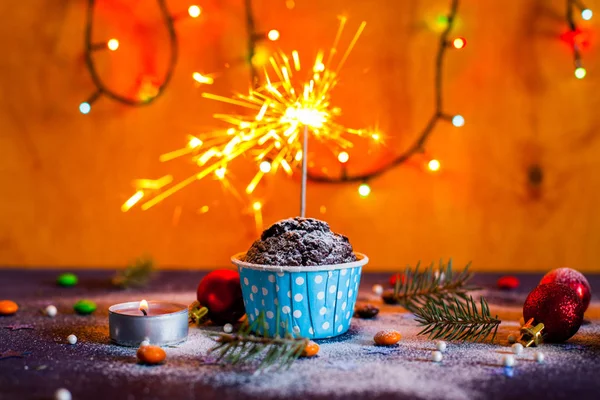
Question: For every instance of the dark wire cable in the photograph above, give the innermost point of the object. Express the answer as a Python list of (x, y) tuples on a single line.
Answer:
[(101, 88), (437, 115)]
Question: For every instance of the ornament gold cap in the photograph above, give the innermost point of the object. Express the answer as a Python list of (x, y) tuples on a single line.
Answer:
[(531, 335)]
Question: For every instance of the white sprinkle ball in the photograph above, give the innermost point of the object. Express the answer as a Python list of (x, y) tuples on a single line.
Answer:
[(377, 289), (51, 311), (511, 338), (517, 348), (508, 360), (538, 356), (227, 328), (436, 356), (72, 339), (145, 342), (62, 394), (440, 345)]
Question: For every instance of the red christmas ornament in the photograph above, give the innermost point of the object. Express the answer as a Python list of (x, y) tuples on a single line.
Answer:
[(221, 293), (558, 307), (572, 278), (508, 282)]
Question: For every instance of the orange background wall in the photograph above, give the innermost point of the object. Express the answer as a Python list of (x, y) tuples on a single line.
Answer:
[(64, 175)]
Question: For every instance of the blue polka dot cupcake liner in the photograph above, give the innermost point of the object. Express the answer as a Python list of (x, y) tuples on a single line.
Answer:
[(314, 302)]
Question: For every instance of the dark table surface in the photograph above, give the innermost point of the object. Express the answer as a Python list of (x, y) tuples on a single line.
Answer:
[(347, 367)]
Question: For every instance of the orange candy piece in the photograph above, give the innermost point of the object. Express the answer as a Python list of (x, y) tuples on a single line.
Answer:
[(310, 350), (151, 355), (387, 337), (8, 307)]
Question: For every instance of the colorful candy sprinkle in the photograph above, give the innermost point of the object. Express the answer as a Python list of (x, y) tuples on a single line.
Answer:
[(8, 307), (395, 277), (508, 360), (517, 348), (51, 311), (387, 338), (310, 350), (67, 280), (538, 356), (366, 311), (151, 355), (85, 307), (62, 394), (377, 289), (440, 345), (508, 282)]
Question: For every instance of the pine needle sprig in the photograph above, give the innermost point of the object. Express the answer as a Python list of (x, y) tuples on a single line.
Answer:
[(417, 287), (243, 347), (137, 274), (457, 320)]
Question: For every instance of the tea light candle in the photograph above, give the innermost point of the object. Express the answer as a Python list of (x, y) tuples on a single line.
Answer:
[(161, 323)]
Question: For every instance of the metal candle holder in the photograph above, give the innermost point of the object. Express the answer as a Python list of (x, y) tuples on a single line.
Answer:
[(163, 329)]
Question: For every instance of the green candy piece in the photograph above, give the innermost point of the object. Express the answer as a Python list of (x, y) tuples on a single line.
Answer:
[(67, 280), (85, 307)]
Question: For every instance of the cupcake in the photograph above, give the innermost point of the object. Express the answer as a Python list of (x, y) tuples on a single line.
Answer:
[(302, 277)]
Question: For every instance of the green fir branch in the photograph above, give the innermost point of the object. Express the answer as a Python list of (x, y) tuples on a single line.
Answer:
[(417, 287), (244, 347), (457, 320), (137, 274)]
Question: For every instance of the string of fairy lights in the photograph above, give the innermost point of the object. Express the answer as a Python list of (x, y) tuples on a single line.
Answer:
[(285, 98), (446, 41), (151, 92), (148, 95), (282, 106), (574, 33)]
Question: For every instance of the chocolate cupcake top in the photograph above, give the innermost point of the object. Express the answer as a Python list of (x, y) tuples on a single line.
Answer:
[(300, 242)]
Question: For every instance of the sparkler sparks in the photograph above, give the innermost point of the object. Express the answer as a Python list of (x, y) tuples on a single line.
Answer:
[(280, 109)]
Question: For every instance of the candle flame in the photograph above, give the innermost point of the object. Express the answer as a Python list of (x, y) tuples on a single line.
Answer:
[(144, 306)]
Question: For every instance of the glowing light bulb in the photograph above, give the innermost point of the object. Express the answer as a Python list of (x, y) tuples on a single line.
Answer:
[(85, 107), (580, 72), (458, 120), (265, 167), (434, 165), (257, 205), (194, 11), (220, 172), (194, 142), (459, 43), (198, 77), (364, 190), (376, 137), (586, 14), (343, 157), (273, 35), (112, 44)]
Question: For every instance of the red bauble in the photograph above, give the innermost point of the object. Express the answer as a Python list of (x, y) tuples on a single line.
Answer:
[(572, 278), (508, 282), (558, 307), (221, 293)]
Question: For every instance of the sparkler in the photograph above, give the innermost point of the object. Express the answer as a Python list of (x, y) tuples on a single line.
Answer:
[(283, 112)]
